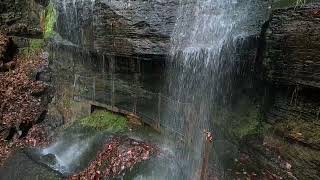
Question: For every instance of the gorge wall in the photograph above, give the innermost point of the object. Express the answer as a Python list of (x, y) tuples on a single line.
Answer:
[(275, 120), (292, 64)]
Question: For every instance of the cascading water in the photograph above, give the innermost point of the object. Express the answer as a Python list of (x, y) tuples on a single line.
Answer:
[(203, 60)]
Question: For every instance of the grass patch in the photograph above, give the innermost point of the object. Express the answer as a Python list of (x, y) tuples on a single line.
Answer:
[(105, 121)]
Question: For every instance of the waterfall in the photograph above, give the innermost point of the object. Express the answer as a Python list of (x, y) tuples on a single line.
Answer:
[(203, 59), (76, 20), (203, 65)]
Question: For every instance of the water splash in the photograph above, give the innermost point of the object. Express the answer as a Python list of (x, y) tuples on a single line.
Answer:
[(68, 152)]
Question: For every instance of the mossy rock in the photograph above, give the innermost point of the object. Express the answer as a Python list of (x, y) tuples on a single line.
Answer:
[(240, 123), (37, 43), (105, 121), (35, 46), (50, 21), (305, 132), (305, 161)]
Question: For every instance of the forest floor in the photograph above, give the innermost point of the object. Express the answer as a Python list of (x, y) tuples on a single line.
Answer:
[(21, 99)]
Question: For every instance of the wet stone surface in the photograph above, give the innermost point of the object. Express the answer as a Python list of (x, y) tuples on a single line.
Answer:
[(20, 166)]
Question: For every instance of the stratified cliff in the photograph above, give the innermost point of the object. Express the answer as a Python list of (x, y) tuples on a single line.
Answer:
[(292, 62), (121, 28)]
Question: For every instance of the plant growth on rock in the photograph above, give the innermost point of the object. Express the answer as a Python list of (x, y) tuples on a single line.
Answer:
[(107, 121)]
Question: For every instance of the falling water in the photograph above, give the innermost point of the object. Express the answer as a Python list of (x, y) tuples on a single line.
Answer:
[(69, 152), (203, 59), (76, 20)]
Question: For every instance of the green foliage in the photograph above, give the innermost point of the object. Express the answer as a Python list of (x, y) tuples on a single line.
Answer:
[(35, 46), (106, 121), (50, 20)]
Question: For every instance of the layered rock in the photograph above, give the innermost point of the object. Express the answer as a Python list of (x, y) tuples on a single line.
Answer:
[(292, 40), (136, 27), (124, 28), (292, 64), (21, 19)]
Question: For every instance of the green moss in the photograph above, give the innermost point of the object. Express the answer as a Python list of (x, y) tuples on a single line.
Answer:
[(37, 44), (299, 130), (106, 121), (248, 124), (49, 21), (241, 122)]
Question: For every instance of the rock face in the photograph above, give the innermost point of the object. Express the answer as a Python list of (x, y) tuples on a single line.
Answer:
[(7, 50), (22, 20), (21, 17), (294, 134), (280, 129), (292, 64), (124, 28), (293, 45), (138, 27)]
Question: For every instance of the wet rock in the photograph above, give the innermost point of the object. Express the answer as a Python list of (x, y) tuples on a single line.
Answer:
[(43, 73), (21, 19), (292, 63), (134, 120), (20, 166), (290, 134), (49, 159), (124, 28), (292, 46), (295, 115), (136, 27)]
